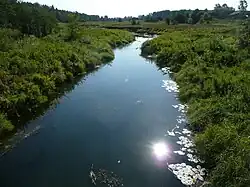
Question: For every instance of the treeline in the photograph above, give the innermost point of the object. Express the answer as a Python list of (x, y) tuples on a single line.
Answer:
[(35, 19), (212, 69), (198, 16), (26, 17)]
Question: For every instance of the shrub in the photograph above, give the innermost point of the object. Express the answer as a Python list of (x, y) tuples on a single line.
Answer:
[(213, 74), (33, 69)]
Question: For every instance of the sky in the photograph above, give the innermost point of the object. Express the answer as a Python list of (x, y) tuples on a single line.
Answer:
[(121, 8)]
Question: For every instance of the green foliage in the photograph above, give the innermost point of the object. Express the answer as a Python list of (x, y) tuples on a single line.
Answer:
[(167, 20), (28, 18), (222, 11), (196, 16), (5, 125), (73, 27), (32, 70), (213, 74), (219, 12), (133, 22), (180, 18), (205, 18), (244, 40), (229, 167)]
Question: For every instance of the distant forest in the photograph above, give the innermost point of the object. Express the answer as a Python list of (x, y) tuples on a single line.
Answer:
[(194, 16), (10, 10)]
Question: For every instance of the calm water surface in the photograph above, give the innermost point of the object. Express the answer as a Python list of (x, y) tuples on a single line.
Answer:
[(111, 119)]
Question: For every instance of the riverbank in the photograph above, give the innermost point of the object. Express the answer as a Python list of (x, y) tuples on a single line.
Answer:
[(112, 118), (212, 72), (33, 69)]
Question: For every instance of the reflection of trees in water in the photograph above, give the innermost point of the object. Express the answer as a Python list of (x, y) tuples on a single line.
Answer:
[(21, 122), (25, 116)]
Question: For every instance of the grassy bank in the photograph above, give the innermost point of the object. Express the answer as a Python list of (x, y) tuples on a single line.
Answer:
[(159, 27), (32, 69), (213, 73)]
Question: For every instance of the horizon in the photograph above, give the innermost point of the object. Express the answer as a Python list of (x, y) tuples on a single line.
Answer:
[(102, 8)]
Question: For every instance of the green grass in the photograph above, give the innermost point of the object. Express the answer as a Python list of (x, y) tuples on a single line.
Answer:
[(213, 74), (32, 70), (161, 27)]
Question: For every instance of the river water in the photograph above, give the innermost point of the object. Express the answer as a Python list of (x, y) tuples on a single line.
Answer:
[(111, 120)]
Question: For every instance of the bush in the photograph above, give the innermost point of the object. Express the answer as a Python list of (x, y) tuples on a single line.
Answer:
[(33, 69), (5, 125), (213, 74)]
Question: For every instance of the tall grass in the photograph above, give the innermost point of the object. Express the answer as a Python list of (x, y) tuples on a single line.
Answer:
[(213, 73)]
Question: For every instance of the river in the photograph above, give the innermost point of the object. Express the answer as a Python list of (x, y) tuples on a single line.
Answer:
[(112, 120)]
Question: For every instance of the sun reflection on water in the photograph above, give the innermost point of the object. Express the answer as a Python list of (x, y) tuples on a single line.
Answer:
[(160, 150)]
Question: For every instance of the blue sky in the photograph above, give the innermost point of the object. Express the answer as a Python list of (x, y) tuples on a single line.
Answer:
[(120, 8)]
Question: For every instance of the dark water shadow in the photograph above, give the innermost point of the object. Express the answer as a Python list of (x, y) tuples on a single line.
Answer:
[(21, 123)]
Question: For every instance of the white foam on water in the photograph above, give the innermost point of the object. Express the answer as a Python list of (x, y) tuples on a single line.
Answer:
[(179, 152), (190, 150), (185, 131), (177, 132), (181, 120), (187, 174), (139, 102), (171, 133), (181, 108), (193, 158), (170, 86), (166, 70), (184, 149)]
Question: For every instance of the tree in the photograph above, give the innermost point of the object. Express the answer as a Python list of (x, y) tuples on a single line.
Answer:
[(190, 20), (222, 11), (196, 15), (73, 27), (167, 20), (32, 19), (180, 18), (225, 5), (243, 8), (243, 5), (217, 6), (150, 18), (206, 17), (159, 18), (133, 21)]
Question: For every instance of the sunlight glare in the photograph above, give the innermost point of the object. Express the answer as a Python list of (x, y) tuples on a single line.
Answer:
[(160, 149)]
